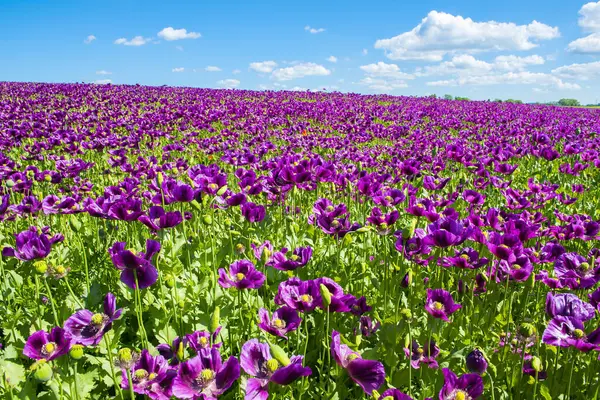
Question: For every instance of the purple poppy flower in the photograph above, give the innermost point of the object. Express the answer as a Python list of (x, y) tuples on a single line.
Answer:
[(48, 346), (300, 295), (431, 183), (530, 371), (595, 299), (253, 212), (476, 362), (519, 270), (340, 302), (574, 271), (359, 306), (423, 355), (568, 305), (439, 304), (473, 197), (368, 374), (242, 274), (394, 394), (568, 332), (31, 245), (367, 327), (467, 258), (389, 197), (505, 247), (134, 266), (285, 319), (158, 219), (87, 328), (447, 232), (172, 352), (150, 376), (199, 340), (256, 361), (299, 258), (262, 251), (467, 386), (382, 222), (205, 376)]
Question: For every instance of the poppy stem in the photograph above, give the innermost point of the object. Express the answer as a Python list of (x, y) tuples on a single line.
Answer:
[(51, 302), (131, 393)]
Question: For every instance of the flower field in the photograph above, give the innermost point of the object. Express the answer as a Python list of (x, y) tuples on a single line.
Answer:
[(179, 243)]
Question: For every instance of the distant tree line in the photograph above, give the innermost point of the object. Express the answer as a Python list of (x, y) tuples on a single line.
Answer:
[(561, 102)]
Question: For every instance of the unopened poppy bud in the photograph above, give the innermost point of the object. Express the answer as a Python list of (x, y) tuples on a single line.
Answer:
[(407, 279), (196, 205), (75, 224), (160, 178), (214, 320), (40, 267), (207, 219), (476, 362), (240, 248), (76, 352), (42, 371), (325, 295), (9, 183), (407, 341), (358, 340), (222, 191), (126, 358), (180, 352), (279, 354), (536, 363), (170, 281), (181, 304)]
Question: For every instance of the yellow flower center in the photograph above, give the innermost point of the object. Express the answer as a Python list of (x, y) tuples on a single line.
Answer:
[(152, 376), (206, 375), (460, 395), (389, 199), (49, 348), (272, 365), (306, 298), (294, 257), (213, 186), (203, 341), (352, 357), (437, 305), (335, 223), (278, 323), (60, 270), (239, 276), (97, 319), (516, 266), (578, 333), (464, 256), (585, 266), (140, 374), (420, 350), (329, 208)]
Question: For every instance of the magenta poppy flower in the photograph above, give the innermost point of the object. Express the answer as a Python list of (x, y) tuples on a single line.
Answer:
[(31, 245), (368, 374), (467, 386), (205, 376), (285, 319), (574, 271), (150, 376), (423, 355), (87, 328), (242, 274), (300, 295), (284, 261), (253, 212), (256, 360), (394, 394), (135, 266), (439, 304), (200, 340), (158, 219), (569, 332), (42, 345), (569, 305), (466, 258)]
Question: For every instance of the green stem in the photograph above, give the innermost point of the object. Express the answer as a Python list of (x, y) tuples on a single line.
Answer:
[(131, 393), (112, 369), (56, 322)]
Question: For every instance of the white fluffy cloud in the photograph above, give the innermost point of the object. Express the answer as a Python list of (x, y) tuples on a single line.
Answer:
[(589, 17), (512, 62), (586, 45), (299, 71), (136, 41), (264, 67), (332, 59), (313, 30), (382, 69), (103, 72), (441, 33), (229, 83), (585, 71), (178, 69), (382, 85), (89, 39), (102, 81), (509, 78), (236, 71), (212, 68), (466, 64), (170, 34)]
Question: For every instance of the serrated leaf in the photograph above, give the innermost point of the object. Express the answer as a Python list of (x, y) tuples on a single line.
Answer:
[(13, 373), (85, 383), (545, 392)]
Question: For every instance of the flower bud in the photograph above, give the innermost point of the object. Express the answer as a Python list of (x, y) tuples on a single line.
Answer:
[(160, 178), (43, 371), (240, 248), (536, 363), (476, 362), (41, 267), (222, 191), (279, 354), (170, 281), (214, 320), (126, 358), (180, 351), (181, 304), (325, 295), (207, 219), (76, 352), (407, 279), (406, 313)]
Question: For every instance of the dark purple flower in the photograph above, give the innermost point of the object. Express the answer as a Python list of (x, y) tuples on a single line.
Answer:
[(394, 394), (568, 305), (382, 222), (423, 355), (569, 332), (389, 197), (242, 274), (439, 304), (48, 346), (359, 306), (519, 270), (253, 212), (467, 258), (135, 266), (530, 371), (476, 362), (199, 340), (574, 271), (285, 319), (256, 361), (447, 232), (205, 376), (473, 197), (150, 376), (158, 219), (299, 258), (31, 245), (595, 299), (368, 374), (505, 247), (340, 302), (468, 386), (300, 295), (367, 327), (87, 328)]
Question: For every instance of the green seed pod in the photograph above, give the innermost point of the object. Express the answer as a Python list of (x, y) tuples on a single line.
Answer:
[(235, 233), (279, 354), (76, 352), (75, 224), (41, 267), (240, 248), (214, 320), (358, 340), (160, 178), (222, 191), (9, 183), (170, 281), (180, 351), (536, 363), (181, 304), (326, 295), (407, 344), (43, 372), (207, 219)]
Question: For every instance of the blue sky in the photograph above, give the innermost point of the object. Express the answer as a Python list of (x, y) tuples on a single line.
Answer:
[(527, 49)]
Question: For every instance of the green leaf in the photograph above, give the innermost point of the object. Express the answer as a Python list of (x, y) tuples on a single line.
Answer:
[(85, 383), (545, 392), (14, 373)]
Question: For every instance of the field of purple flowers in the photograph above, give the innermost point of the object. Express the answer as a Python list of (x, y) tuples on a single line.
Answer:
[(178, 243)]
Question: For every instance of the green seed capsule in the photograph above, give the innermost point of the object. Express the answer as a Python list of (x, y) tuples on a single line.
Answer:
[(536, 363), (43, 372), (41, 267), (76, 352), (326, 295), (214, 320), (222, 191), (170, 281), (279, 354), (207, 219)]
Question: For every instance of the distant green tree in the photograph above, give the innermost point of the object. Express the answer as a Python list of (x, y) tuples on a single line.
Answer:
[(498, 100), (461, 98), (514, 101), (568, 103), (448, 97)]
